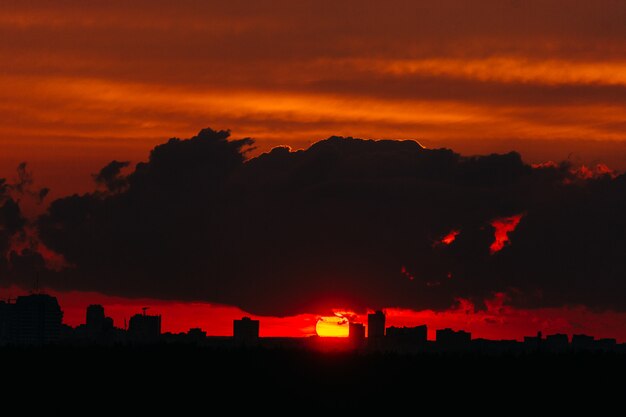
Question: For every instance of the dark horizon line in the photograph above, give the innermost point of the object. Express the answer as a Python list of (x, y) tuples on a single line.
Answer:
[(45, 311)]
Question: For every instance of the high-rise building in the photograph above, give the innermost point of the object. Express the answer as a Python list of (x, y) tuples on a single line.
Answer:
[(376, 325), (144, 328), (97, 324), (95, 316), (36, 319), (246, 331), (356, 333)]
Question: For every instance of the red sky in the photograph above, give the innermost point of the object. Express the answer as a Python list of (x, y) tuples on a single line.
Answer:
[(83, 83), (497, 321)]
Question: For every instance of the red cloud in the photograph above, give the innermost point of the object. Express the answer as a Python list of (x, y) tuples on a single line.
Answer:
[(450, 237), (28, 239), (503, 226)]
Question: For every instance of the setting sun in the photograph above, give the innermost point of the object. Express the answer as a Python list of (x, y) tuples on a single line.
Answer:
[(332, 326)]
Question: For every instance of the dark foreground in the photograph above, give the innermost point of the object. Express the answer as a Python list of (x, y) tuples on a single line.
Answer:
[(149, 378)]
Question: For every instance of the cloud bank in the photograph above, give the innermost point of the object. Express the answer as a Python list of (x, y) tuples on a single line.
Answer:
[(345, 223)]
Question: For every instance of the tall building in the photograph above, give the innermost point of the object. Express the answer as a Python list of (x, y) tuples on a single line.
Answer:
[(246, 331), (95, 316), (376, 325), (356, 333), (36, 320), (97, 324), (144, 328)]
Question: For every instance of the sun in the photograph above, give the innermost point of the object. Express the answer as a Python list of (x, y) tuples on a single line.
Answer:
[(332, 326)]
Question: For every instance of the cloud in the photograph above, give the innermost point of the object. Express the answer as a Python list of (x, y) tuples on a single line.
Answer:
[(450, 72), (23, 186), (342, 225), (110, 176), (22, 255), (12, 220), (503, 227), (343, 217)]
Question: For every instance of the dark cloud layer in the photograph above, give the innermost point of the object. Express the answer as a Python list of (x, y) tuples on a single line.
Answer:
[(20, 257), (11, 222), (110, 176), (341, 224)]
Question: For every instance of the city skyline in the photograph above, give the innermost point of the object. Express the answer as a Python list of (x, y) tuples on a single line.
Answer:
[(37, 319)]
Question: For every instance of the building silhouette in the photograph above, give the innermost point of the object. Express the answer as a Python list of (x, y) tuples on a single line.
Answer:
[(37, 320), (33, 320), (556, 342), (582, 342), (98, 327), (6, 321), (451, 339), (606, 344), (196, 334), (144, 327), (376, 325), (533, 342), (356, 334), (95, 316), (96, 322), (407, 336), (246, 331)]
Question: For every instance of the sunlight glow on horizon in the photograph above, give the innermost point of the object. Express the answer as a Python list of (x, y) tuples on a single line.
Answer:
[(498, 321)]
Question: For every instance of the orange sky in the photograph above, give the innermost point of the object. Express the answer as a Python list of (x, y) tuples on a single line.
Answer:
[(83, 83)]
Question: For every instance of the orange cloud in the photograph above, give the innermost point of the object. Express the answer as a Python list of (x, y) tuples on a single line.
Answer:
[(81, 86), (504, 69)]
